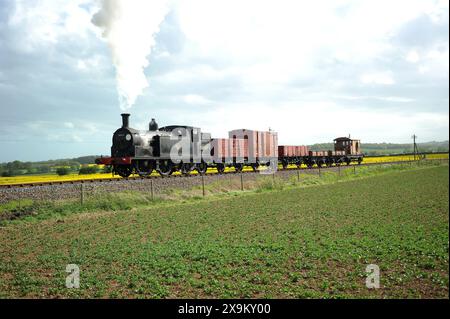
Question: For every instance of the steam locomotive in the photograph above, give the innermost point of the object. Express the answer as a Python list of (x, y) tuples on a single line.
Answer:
[(185, 148)]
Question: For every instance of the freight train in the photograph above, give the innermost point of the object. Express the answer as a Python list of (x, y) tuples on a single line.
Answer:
[(183, 148)]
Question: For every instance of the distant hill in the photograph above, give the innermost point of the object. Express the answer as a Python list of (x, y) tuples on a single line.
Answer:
[(391, 148), (50, 166), (69, 161), (86, 159)]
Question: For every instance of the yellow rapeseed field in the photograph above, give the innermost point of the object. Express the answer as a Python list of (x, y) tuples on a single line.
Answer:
[(384, 159), (50, 178), (437, 156), (75, 177)]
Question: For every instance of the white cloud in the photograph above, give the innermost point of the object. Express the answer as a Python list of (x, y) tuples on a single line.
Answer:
[(284, 38), (195, 72), (382, 78), (45, 22), (413, 56), (305, 122), (195, 99), (76, 138), (69, 125), (436, 62), (438, 11), (89, 127), (91, 63), (397, 99)]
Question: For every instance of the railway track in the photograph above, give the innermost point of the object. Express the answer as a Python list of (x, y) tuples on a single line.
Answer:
[(107, 180)]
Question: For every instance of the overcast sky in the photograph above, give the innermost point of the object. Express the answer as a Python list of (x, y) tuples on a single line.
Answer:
[(311, 70)]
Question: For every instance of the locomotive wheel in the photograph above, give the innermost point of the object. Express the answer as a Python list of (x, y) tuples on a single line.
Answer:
[(238, 167), (145, 174), (123, 170), (165, 168), (186, 168), (220, 168), (201, 168), (144, 168)]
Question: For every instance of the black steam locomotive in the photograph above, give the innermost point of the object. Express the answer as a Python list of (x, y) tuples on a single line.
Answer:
[(141, 152)]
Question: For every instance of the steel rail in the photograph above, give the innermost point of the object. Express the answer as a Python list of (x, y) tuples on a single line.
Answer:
[(106, 180)]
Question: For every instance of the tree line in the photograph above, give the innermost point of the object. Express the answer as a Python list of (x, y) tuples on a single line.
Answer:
[(16, 168)]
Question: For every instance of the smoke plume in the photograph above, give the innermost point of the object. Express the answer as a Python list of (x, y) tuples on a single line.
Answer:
[(129, 27)]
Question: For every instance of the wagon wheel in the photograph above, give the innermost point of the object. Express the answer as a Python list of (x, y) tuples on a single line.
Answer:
[(299, 164), (201, 168), (238, 167), (330, 163), (347, 162), (220, 168), (319, 164), (186, 168), (255, 167), (284, 163), (165, 168), (310, 165), (123, 170), (360, 160)]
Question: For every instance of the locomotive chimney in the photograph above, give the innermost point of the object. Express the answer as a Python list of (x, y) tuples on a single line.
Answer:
[(153, 126), (125, 119)]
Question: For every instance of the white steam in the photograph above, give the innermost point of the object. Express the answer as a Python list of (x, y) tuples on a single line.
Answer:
[(129, 27)]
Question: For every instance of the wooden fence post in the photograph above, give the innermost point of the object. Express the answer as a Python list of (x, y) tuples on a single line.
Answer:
[(242, 182), (203, 185), (151, 188), (82, 193)]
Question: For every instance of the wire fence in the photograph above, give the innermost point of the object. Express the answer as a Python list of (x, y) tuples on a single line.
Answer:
[(194, 185)]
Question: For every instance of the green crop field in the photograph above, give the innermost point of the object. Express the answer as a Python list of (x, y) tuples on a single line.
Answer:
[(295, 242)]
